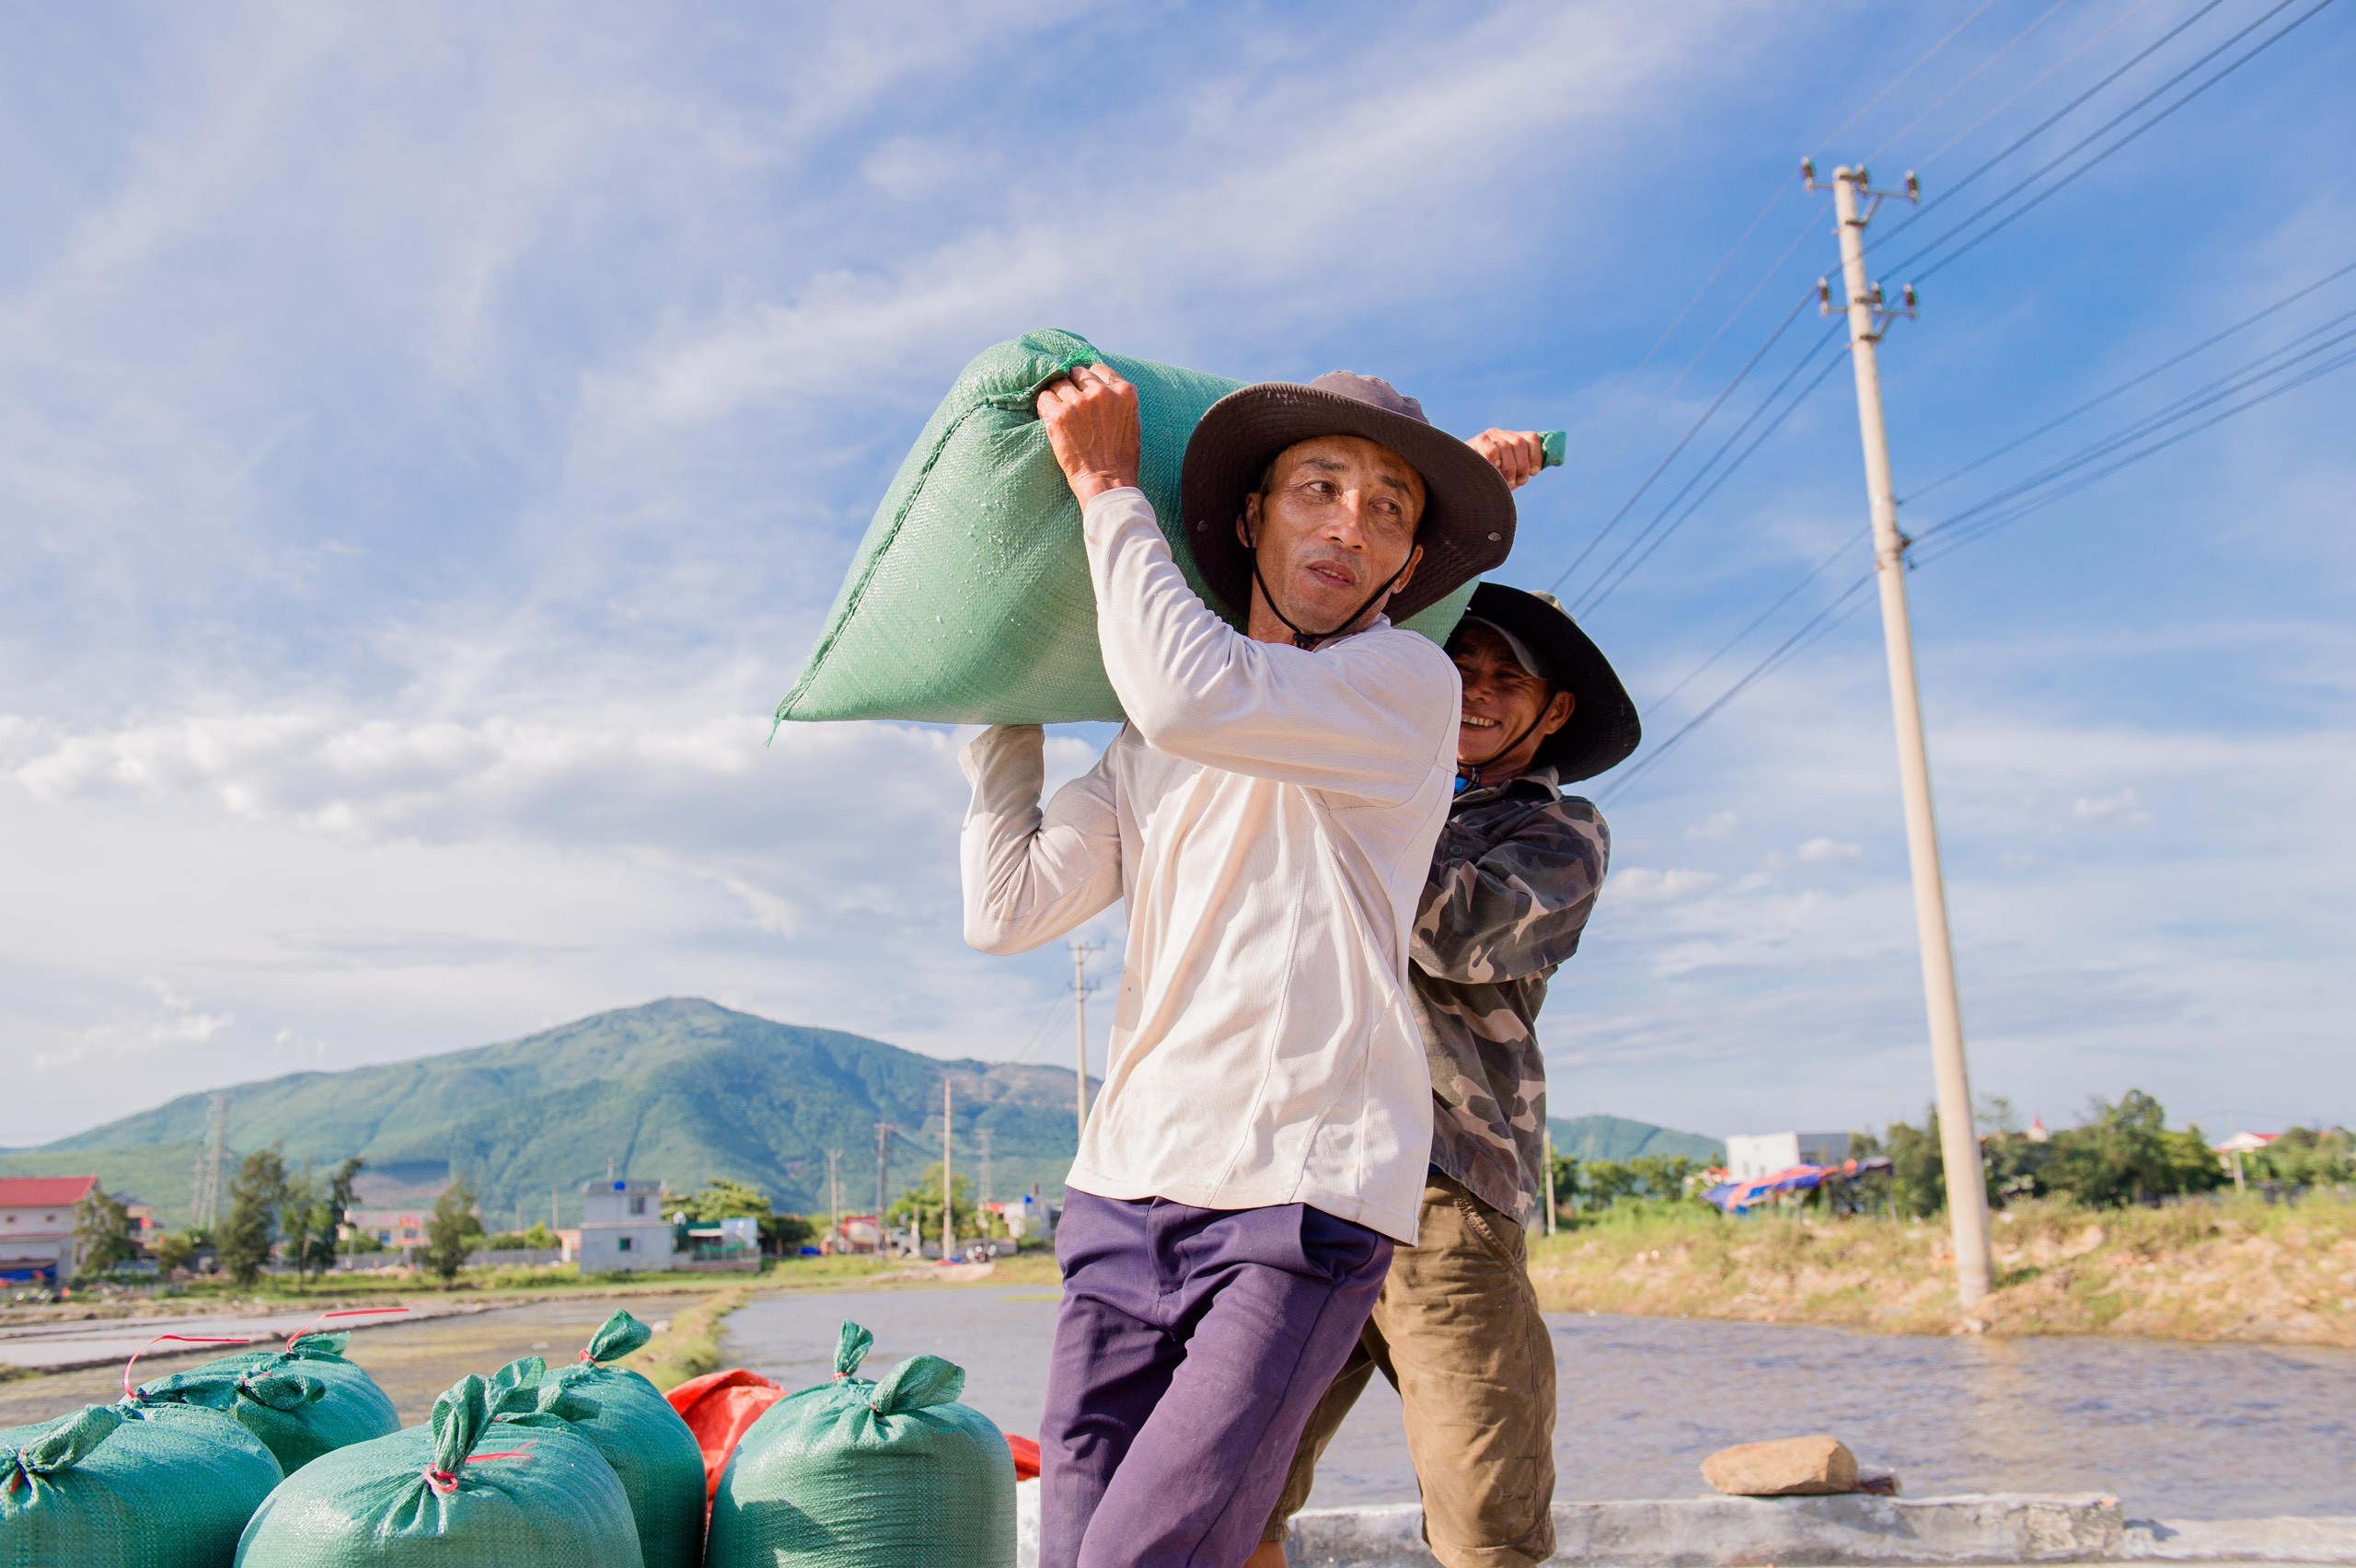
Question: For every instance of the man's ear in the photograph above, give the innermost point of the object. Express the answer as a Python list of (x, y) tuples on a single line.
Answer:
[(1248, 523), (1559, 709), (1406, 573)]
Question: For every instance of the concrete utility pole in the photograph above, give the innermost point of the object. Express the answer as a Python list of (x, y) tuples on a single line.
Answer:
[(1548, 1136), (983, 1134), (835, 1193), (882, 1159), (1080, 951), (1958, 1137), (948, 1188)]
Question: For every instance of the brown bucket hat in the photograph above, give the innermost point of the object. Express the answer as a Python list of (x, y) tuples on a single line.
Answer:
[(1467, 526)]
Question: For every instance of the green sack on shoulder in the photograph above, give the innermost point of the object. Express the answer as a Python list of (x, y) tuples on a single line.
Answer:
[(653, 1453), (859, 1474), (303, 1400), (969, 601), (466, 1492), (113, 1487)]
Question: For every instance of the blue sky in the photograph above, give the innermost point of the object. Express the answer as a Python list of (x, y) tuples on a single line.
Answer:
[(429, 443)]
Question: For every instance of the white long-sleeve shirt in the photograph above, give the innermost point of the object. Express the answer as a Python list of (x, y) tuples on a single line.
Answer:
[(1269, 813)]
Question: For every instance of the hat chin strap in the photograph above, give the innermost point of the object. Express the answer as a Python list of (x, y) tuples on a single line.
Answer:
[(1468, 774), (1311, 638)]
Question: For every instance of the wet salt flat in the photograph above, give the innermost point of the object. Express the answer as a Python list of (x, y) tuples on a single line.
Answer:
[(2179, 1431)]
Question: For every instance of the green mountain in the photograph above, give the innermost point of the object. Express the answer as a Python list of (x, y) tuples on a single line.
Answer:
[(1616, 1137), (679, 1090)]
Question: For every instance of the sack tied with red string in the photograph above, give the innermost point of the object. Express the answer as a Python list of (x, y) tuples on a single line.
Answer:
[(653, 1452), (118, 1486), (465, 1492), (302, 1400)]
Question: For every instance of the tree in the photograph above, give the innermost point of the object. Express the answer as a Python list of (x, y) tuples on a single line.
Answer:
[(720, 1198), (450, 1234), (783, 1235), (175, 1249), (2125, 1153), (2306, 1157), (1918, 1172), (1606, 1181), (1662, 1176), (104, 1237), (1567, 1181), (920, 1205), (256, 1195)]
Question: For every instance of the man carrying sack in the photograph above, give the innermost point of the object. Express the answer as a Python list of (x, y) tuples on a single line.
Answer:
[(1456, 1328), (1268, 813)]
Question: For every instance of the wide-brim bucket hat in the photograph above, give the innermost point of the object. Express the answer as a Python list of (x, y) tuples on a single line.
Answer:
[(1603, 729), (1467, 526)]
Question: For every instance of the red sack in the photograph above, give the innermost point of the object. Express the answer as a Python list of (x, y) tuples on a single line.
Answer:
[(720, 1408)]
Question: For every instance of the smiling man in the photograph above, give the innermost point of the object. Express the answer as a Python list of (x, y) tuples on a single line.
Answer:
[(1268, 815), (1512, 880)]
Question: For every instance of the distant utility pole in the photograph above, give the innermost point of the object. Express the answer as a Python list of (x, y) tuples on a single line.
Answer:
[(1869, 315), (1080, 951), (835, 1193), (983, 1134), (1547, 1141), (212, 1166), (948, 1188), (882, 1159)]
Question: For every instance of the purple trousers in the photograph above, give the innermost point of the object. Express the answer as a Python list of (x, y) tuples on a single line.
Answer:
[(1192, 1346)]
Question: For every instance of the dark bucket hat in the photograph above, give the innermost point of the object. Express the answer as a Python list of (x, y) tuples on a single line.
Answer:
[(1603, 729), (1467, 526)]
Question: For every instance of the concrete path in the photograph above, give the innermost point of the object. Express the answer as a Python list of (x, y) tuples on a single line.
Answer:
[(1837, 1532)]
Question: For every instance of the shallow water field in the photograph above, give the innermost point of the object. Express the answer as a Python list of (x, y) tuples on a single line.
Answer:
[(2189, 1431)]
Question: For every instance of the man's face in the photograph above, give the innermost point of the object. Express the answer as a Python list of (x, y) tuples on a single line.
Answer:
[(1335, 521), (1501, 700)]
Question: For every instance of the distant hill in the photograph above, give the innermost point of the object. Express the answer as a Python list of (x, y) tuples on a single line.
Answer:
[(681, 1090), (1616, 1137)]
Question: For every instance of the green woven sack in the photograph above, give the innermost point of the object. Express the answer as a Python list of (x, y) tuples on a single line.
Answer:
[(653, 1453), (969, 601), (303, 1402), (857, 1474), (466, 1492), (112, 1486)]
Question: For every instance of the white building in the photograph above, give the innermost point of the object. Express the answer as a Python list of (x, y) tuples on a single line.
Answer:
[(36, 1228), (1753, 1155), (623, 1227)]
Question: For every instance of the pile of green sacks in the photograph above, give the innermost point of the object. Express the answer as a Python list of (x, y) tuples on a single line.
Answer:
[(586, 1466), (969, 601), (293, 1459)]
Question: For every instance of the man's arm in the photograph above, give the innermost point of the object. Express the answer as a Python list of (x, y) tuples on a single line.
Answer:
[(1520, 909), (1367, 717), (1030, 875)]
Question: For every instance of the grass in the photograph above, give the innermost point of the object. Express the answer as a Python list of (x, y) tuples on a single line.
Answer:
[(2239, 1269)]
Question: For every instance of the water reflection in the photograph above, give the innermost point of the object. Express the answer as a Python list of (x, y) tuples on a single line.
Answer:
[(2176, 1430)]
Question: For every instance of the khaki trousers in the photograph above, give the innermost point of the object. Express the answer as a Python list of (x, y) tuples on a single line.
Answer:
[(1458, 1333)]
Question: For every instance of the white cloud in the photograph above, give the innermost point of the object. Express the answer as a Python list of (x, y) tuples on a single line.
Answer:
[(2124, 809), (1716, 828), (167, 1020), (1818, 850)]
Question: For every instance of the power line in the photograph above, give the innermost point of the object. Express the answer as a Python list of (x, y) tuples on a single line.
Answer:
[(2039, 80), (2133, 382), (1985, 525), (1937, 103), (1758, 620), (2034, 131), (2201, 398), (2075, 148), (1892, 86), (1614, 574), (1691, 431)]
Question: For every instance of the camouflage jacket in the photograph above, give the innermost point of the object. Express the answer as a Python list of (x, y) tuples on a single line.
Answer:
[(1513, 879)]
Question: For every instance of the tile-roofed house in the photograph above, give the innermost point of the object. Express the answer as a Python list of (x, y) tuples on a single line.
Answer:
[(36, 1226)]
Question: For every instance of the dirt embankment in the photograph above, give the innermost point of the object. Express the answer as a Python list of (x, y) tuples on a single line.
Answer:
[(2235, 1270)]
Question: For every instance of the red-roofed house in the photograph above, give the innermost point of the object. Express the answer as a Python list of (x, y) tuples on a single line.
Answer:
[(36, 1226)]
